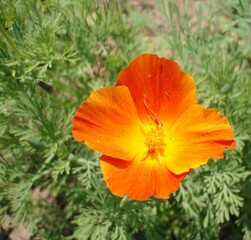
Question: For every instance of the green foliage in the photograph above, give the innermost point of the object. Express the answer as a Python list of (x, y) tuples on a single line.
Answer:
[(53, 54)]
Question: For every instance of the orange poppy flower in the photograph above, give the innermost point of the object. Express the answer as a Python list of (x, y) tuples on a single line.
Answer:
[(150, 129)]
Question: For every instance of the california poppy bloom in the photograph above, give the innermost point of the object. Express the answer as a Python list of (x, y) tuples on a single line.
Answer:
[(150, 129)]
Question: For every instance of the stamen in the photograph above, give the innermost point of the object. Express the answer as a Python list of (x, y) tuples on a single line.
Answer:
[(154, 134), (155, 142)]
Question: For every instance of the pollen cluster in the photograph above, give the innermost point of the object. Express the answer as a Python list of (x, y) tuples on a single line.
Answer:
[(155, 141)]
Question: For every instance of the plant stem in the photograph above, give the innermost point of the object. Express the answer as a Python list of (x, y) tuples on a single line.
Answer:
[(9, 40)]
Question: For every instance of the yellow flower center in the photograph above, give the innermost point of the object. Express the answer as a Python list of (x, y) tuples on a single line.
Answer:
[(155, 141)]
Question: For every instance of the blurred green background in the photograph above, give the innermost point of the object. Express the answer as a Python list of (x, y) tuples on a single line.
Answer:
[(54, 53)]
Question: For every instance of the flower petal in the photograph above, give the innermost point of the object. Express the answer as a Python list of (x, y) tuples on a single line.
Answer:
[(198, 135), (159, 88), (139, 179), (108, 123)]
